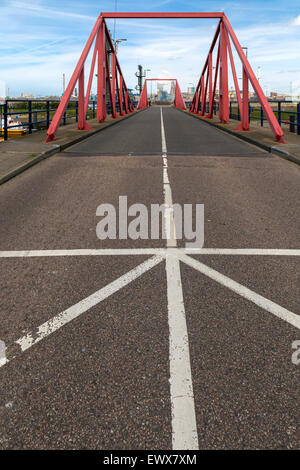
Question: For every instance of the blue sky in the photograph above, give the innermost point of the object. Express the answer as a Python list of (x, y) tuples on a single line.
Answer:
[(42, 39)]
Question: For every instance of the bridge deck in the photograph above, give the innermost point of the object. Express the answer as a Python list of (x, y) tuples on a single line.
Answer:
[(101, 380)]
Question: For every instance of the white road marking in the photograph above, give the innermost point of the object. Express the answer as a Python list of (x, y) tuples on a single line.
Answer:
[(82, 252), (76, 310), (184, 427), (163, 135), (150, 251), (242, 251), (3, 359), (243, 291)]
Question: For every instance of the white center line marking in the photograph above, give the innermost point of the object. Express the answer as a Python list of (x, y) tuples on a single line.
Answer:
[(184, 427)]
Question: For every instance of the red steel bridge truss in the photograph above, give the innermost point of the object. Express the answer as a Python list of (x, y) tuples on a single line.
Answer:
[(178, 101), (111, 83)]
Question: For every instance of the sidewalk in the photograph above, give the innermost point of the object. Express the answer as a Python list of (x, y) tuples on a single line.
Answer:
[(261, 136), (16, 155)]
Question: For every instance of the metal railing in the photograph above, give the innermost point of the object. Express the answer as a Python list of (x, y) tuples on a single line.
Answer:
[(34, 115), (256, 113)]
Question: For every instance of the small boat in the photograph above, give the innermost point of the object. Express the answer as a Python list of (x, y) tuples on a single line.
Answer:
[(14, 128)]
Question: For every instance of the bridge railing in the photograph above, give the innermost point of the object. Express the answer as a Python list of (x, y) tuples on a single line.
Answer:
[(34, 115), (286, 112)]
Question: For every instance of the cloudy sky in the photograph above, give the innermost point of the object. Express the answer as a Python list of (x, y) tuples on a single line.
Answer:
[(42, 39)]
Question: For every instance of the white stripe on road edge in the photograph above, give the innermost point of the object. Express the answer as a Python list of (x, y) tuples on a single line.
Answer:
[(76, 310), (243, 291), (150, 251), (184, 427)]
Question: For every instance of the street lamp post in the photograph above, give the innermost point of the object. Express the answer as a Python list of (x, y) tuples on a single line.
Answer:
[(117, 42)]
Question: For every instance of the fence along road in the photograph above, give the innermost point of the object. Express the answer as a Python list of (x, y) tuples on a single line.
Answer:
[(93, 329)]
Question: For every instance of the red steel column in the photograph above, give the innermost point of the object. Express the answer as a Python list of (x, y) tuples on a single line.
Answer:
[(142, 104), (244, 125), (101, 83), (210, 78), (245, 101), (121, 95), (82, 124), (205, 94), (197, 101), (179, 101), (202, 92), (88, 92), (223, 93), (113, 85)]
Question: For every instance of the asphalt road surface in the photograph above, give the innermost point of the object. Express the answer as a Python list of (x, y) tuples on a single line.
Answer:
[(140, 344)]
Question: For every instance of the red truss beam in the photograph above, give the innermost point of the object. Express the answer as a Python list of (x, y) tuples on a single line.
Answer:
[(178, 102), (163, 15), (225, 34), (111, 83)]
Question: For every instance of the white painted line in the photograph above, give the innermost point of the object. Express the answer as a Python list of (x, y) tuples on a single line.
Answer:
[(163, 135), (82, 252), (151, 251), (76, 310), (248, 294), (184, 427), (242, 251)]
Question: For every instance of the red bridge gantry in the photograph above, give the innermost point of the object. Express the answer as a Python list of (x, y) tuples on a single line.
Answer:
[(111, 84), (178, 101)]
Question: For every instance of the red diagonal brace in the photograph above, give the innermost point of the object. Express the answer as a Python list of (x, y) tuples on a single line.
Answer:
[(274, 124), (67, 95)]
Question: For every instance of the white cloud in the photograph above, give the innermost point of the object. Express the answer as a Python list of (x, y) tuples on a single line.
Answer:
[(38, 10), (296, 21), (35, 56)]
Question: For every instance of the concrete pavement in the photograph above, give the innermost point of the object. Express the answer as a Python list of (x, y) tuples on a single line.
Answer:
[(97, 375)]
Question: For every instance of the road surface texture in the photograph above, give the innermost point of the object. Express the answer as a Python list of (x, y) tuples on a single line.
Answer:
[(144, 345)]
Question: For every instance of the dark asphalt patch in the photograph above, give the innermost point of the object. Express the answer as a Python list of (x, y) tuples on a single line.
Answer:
[(140, 133), (34, 290), (245, 385), (273, 277), (53, 206), (248, 203), (187, 135), (100, 382)]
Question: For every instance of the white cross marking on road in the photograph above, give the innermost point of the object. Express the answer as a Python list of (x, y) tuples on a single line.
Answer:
[(184, 430)]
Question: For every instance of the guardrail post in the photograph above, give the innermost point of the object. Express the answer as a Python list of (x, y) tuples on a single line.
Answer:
[(5, 120), (261, 116), (29, 117), (292, 123), (298, 119), (279, 112), (48, 113)]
